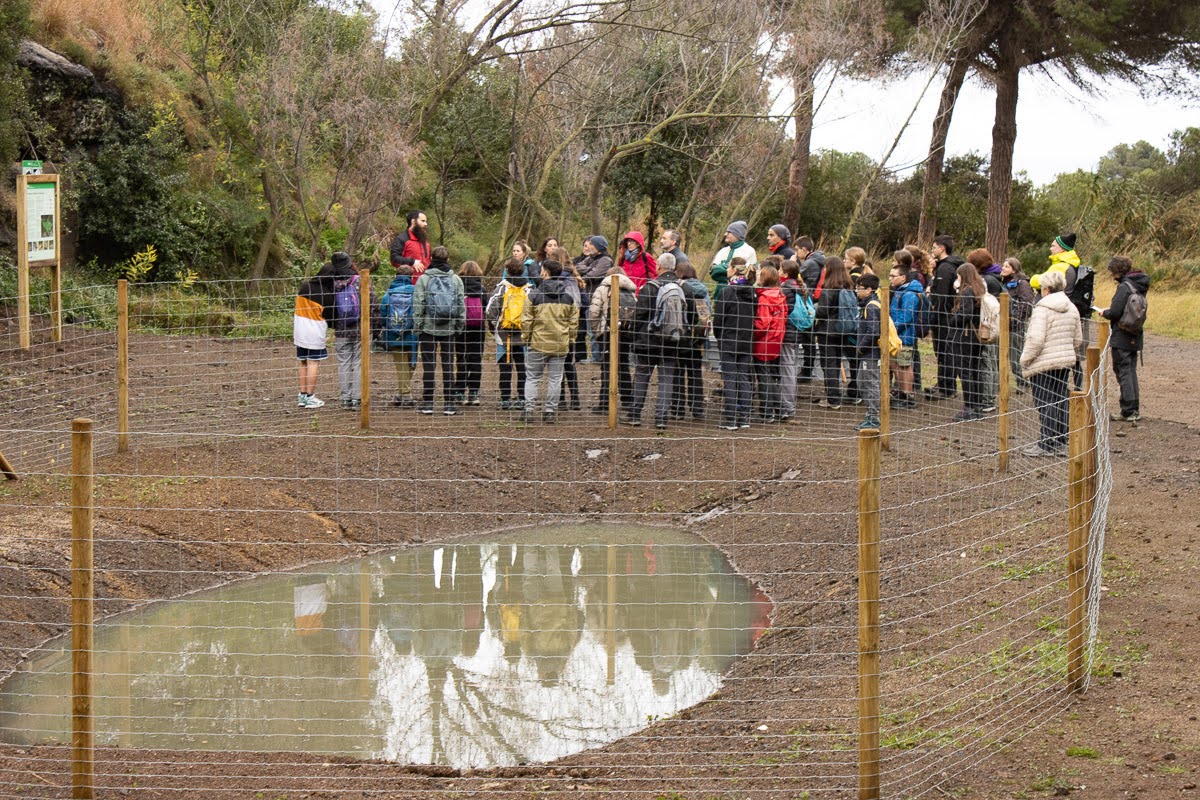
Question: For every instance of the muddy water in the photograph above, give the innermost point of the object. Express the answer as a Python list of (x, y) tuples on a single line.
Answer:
[(524, 648)]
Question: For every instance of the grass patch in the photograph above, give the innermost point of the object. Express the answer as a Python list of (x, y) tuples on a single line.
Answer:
[(1171, 313), (1082, 752)]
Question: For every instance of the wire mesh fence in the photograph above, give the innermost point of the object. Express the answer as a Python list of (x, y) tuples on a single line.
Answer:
[(467, 605)]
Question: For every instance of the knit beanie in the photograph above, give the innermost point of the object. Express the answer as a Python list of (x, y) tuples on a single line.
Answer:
[(782, 232), (738, 229), (1066, 241), (340, 260), (599, 242)]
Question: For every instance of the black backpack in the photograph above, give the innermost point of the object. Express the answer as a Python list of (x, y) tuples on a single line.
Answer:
[(1083, 293)]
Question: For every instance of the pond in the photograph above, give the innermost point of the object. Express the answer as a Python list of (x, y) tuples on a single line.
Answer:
[(524, 648)]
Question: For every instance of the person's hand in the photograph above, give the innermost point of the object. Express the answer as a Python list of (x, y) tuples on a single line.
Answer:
[(417, 265)]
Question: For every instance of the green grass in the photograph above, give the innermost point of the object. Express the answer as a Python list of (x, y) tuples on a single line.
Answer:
[(1083, 752)]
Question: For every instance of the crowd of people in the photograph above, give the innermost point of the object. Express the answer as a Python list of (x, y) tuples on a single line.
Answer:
[(762, 326)]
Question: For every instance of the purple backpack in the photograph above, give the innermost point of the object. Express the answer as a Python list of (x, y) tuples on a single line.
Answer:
[(474, 312)]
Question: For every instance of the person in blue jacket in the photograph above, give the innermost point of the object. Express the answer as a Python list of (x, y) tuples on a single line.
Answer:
[(906, 304)]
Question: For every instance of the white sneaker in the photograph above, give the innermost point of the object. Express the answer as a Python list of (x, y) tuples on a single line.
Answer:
[(313, 402), (301, 401)]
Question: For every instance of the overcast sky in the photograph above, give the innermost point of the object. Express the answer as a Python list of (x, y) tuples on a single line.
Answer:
[(1058, 130)]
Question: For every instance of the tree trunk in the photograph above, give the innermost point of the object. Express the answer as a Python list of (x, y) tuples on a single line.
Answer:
[(685, 221), (798, 167), (596, 191), (1004, 137), (931, 193), (264, 246)]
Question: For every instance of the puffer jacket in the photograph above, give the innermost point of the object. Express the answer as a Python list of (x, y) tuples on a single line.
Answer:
[(1053, 335), (593, 268), (1059, 262), (550, 319), (733, 318), (642, 269), (770, 320), (598, 311), (906, 305)]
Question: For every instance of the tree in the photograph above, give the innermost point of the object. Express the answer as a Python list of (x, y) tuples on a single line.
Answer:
[(14, 25)]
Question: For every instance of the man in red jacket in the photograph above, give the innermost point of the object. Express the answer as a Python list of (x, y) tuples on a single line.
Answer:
[(412, 246)]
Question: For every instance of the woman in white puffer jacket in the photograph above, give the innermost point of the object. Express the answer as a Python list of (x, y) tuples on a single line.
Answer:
[(1047, 359)]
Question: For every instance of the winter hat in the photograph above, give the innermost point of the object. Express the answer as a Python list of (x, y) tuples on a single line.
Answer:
[(738, 229), (1066, 241), (782, 232), (340, 260), (599, 242), (666, 263)]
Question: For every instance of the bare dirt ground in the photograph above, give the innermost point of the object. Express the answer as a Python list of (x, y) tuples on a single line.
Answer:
[(1133, 734)]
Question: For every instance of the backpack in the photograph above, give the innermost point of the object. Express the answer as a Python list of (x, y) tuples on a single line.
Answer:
[(670, 312), (1133, 318), (1083, 293), (846, 323), (397, 306), (347, 306), (626, 305), (989, 319), (803, 314), (924, 316), (513, 307), (441, 297), (474, 311), (894, 343)]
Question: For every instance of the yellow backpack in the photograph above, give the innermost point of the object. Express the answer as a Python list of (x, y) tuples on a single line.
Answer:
[(894, 343), (513, 307)]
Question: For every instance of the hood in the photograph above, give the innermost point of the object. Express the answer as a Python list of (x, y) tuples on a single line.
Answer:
[(817, 257), (637, 238), (555, 291), (444, 266), (1058, 302), (769, 292), (400, 280), (1140, 281), (623, 280), (518, 281), (994, 269), (1069, 258), (472, 283), (913, 286), (955, 261), (742, 291)]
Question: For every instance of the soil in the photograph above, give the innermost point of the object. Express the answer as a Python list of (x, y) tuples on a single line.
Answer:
[(177, 514)]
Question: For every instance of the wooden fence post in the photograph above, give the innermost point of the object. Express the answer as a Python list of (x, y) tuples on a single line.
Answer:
[(614, 346), (6, 469), (868, 615), (885, 368), (23, 324), (122, 365), (1078, 522), (1005, 367), (364, 321), (83, 766)]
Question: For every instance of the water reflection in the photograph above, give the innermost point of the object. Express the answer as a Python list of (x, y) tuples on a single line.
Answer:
[(522, 649)]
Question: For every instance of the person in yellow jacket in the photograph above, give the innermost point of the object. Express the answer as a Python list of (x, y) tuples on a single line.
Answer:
[(1063, 258), (549, 323)]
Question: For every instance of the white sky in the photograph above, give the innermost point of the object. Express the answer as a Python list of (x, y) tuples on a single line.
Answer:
[(1058, 130)]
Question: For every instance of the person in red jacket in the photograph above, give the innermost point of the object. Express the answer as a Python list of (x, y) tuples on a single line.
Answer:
[(770, 319), (638, 264), (412, 246)]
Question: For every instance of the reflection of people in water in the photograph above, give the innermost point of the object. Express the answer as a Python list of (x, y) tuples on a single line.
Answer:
[(554, 624)]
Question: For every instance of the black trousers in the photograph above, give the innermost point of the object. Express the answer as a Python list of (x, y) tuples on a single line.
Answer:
[(512, 363), (943, 352), (1125, 366), (1051, 398), (431, 346), (967, 355), (468, 370), (624, 378), (688, 394)]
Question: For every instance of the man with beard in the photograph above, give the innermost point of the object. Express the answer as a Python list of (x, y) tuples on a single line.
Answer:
[(412, 246)]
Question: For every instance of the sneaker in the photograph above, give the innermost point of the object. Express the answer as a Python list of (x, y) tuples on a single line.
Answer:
[(312, 401), (743, 425), (868, 423), (402, 401), (1134, 417), (855, 401), (549, 417), (526, 418), (988, 409), (301, 400), (966, 415), (600, 410), (660, 424), (1036, 451), (427, 409), (630, 419), (347, 405), (449, 411), (732, 426), (511, 405), (904, 402), (473, 398), (823, 403), (574, 405)]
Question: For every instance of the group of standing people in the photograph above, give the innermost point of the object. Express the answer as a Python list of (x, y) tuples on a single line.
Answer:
[(765, 325)]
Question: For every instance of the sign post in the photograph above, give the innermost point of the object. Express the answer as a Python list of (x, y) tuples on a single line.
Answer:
[(38, 244)]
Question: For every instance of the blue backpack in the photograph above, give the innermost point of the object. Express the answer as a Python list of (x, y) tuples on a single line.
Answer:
[(346, 306), (846, 323), (397, 310), (802, 314)]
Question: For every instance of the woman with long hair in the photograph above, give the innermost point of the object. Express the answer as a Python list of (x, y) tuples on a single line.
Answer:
[(922, 265), (469, 357), (834, 340), (576, 287), (967, 350)]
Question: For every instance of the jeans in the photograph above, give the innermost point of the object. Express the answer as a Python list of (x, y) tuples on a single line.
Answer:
[(1016, 343), (1050, 397), (788, 356), (1125, 367), (624, 380), (736, 372), (688, 396), (1086, 324), (989, 373), (468, 370), (766, 375), (641, 386), (349, 358), (512, 363), (536, 364), (868, 384), (431, 347)]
